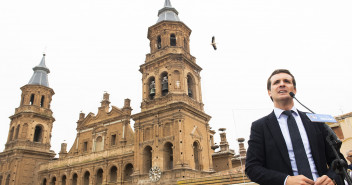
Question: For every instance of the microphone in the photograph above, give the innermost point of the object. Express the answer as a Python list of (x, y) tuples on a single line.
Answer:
[(293, 96), (330, 131)]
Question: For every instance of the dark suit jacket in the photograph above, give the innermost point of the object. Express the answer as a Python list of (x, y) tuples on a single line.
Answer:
[(268, 161)]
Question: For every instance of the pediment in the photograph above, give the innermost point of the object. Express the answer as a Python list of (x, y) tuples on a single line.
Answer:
[(102, 115)]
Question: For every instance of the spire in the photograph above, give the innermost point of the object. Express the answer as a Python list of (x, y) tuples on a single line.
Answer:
[(168, 13), (40, 75)]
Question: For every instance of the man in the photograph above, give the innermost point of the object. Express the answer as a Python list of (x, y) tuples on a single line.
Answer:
[(349, 158), (285, 147)]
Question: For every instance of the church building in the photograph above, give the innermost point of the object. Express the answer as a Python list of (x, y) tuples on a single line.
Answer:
[(171, 139)]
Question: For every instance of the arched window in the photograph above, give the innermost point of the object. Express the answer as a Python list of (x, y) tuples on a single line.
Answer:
[(128, 172), (63, 180), (158, 42), (42, 101), (11, 133), (113, 174), (17, 131), (44, 181), (190, 86), (38, 134), (168, 156), (172, 40), (7, 180), (86, 178), (99, 144), (31, 100), (53, 181), (151, 88), (74, 179), (147, 159), (196, 155), (99, 177), (164, 84)]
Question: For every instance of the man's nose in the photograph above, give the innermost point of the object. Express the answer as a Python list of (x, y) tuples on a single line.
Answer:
[(282, 84)]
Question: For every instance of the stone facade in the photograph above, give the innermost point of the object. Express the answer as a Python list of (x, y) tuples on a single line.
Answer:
[(171, 133)]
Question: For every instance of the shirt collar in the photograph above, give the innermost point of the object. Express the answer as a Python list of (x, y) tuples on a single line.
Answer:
[(278, 111)]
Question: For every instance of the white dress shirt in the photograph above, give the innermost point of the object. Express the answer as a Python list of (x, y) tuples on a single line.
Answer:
[(282, 119)]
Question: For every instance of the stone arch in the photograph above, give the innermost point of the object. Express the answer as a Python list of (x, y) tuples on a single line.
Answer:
[(191, 86), (128, 172), (38, 133), (53, 181), (44, 181), (151, 87), (63, 180), (113, 174), (74, 180), (86, 178), (197, 155), (164, 81), (147, 158), (168, 155), (99, 177)]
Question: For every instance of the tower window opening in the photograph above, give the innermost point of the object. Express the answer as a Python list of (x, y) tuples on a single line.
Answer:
[(151, 87), (85, 146), (190, 86), (159, 42), (32, 100), (53, 181), (113, 140), (42, 101), (38, 134), (164, 84), (172, 40)]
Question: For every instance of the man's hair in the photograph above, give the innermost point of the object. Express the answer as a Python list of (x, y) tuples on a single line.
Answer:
[(277, 71)]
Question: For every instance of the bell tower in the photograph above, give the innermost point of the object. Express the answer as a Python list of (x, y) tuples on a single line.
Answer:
[(172, 129), (28, 142)]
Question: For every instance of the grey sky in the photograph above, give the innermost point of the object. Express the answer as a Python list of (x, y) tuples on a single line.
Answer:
[(95, 46)]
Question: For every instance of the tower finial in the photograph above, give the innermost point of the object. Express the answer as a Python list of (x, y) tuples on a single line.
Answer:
[(40, 75), (168, 13)]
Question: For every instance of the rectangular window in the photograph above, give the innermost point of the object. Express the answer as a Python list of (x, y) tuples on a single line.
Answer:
[(113, 140), (85, 146)]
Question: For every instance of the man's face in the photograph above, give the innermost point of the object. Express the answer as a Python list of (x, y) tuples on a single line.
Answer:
[(349, 156), (281, 86)]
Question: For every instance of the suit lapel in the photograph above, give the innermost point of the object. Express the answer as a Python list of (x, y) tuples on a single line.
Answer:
[(276, 133)]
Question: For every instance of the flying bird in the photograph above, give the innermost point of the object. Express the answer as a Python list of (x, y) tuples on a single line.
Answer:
[(213, 42)]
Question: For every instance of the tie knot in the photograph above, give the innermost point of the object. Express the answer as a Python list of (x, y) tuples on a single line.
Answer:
[(287, 112)]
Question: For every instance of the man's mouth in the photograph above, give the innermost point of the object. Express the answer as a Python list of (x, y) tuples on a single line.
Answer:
[(282, 91)]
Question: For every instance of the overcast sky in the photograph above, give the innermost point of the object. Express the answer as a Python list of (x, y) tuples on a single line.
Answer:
[(95, 46)]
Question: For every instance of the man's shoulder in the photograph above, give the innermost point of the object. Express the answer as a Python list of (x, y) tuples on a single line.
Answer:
[(264, 119)]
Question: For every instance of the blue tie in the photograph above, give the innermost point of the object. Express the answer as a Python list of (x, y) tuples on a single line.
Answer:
[(298, 147)]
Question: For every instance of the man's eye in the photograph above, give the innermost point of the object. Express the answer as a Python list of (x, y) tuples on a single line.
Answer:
[(287, 81)]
